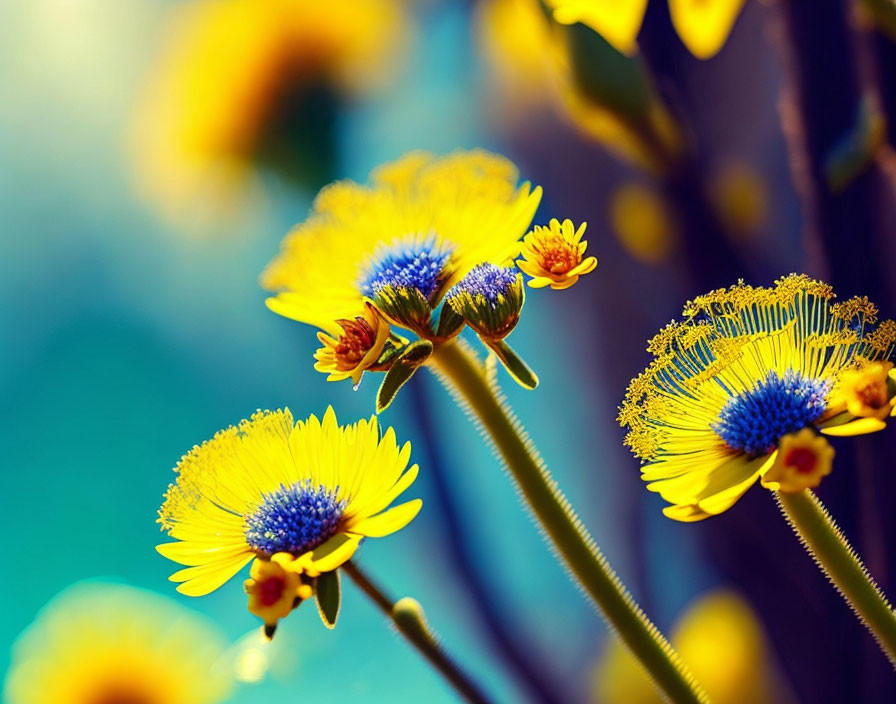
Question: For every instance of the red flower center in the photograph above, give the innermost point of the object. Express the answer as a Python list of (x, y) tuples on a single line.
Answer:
[(271, 590), (802, 459), (355, 342)]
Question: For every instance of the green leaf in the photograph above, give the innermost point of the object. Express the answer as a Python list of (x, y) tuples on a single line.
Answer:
[(408, 361), (515, 366), (329, 597)]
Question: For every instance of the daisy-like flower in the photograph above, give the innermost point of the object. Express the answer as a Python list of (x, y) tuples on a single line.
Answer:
[(703, 25), (104, 643), (554, 255), (740, 388), (346, 354), (233, 79), (402, 241), (298, 498)]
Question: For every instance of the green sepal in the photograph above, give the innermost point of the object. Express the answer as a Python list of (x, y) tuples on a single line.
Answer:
[(515, 366), (393, 347), (405, 307), (403, 367), (450, 323), (329, 597)]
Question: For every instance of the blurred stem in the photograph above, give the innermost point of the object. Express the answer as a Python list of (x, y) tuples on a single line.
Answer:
[(490, 612), (817, 110), (407, 616), (467, 379), (828, 547)]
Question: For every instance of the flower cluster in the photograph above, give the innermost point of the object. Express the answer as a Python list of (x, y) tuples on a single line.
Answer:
[(295, 498), (428, 246), (741, 388)]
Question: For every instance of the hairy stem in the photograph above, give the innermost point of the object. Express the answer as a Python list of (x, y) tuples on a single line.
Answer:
[(833, 554), (409, 620), (468, 381)]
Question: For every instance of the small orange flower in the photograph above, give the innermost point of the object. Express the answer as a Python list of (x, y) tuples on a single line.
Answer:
[(802, 460), (552, 255), (356, 349)]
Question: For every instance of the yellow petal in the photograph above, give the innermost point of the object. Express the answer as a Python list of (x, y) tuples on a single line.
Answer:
[(860, 426), (685, 514), (194, 554), (389, 521), (204, 579), (336, 551), (617, 21), (704, 25)]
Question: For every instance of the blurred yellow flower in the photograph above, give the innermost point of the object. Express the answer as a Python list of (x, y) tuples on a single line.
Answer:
[(103, 643), (719, 637), (233, 72), (642, 223), (703, 25), (741, 198)]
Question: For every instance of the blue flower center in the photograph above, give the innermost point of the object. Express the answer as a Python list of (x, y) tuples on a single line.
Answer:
[(486, 280), (294, 519), (419, 264), (755, 421)]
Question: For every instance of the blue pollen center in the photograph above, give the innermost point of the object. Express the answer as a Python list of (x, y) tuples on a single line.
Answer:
[(755, 421), (294, 519), (488, 280), (419, 264)]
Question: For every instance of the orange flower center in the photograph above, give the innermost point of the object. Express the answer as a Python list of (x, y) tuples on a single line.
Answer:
[(802, 459), (356, 340), (557, 256)]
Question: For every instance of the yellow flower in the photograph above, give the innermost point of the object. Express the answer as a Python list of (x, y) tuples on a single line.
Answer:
[(802, 460), (348, 354), (720, 638), (642, 223), (103, 643), (232, 73), (421, 225), (746, 367), (866, 391), (275, 585), (552, 255), (312, 489), (703, 25)]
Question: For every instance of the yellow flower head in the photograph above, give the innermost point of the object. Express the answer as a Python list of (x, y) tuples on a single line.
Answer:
[(229, 72), (402, 241), (703, 25), (101, 643), (311, 489), (553, 255), (746, 367), (802, 460), (347, 354)]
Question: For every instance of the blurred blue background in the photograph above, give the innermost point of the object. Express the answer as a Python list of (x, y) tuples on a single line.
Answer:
[(127, 339)]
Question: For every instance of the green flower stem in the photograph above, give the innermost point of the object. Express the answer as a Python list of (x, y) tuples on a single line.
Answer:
[(409, 620), (827, 545), (469, 382)]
